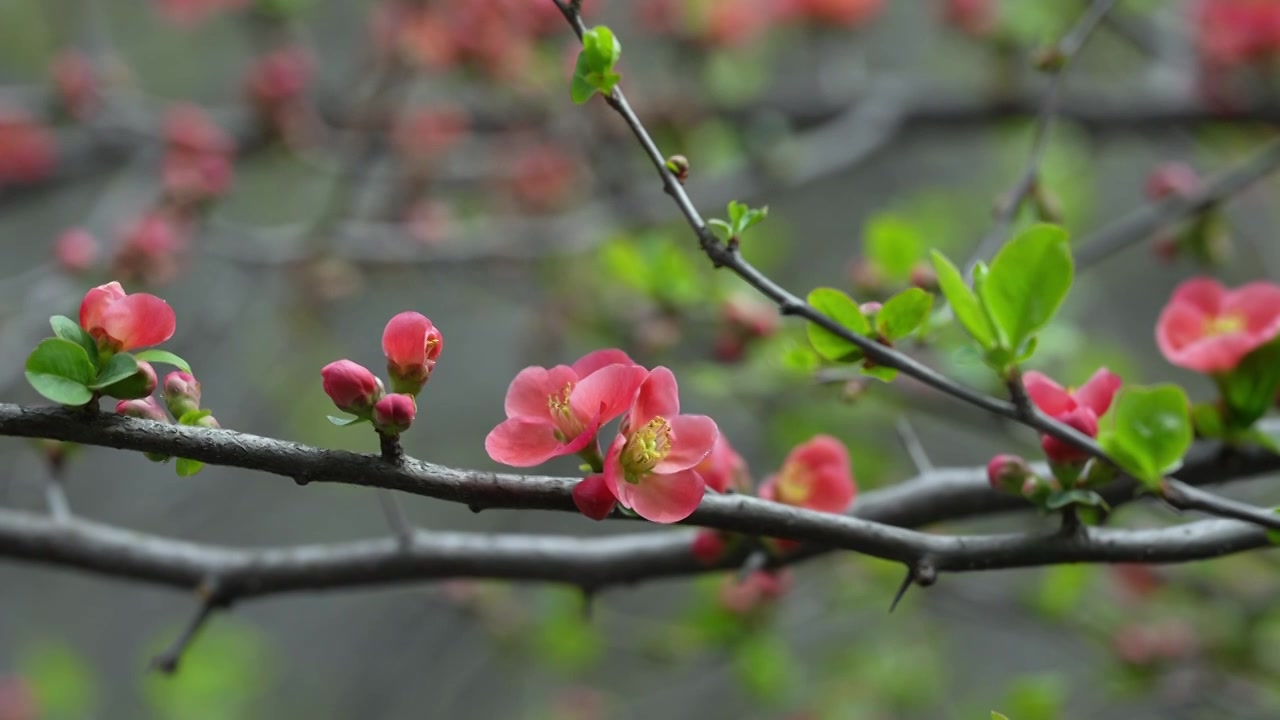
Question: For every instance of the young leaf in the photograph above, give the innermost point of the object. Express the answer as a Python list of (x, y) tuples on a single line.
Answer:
[(1028, 280), (1250, 389), (880, 372), (186, 467), (120, 366), (68, 329), (839, 307), (968, 310), (191, 417), (345, 421), (156, 355), (1062, 498), (903, 313), (593, 71), (61, 371), (1148, 430)]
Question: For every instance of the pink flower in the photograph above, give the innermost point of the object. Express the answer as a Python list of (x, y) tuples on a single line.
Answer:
[(76, 250), (145, 408), (123, 322), (351, 387), (592, 497), (1079, 408), (558, 411), (1210, 329), (412, 345), (723, 468), (816, 475), (394, 413), (650, 466)]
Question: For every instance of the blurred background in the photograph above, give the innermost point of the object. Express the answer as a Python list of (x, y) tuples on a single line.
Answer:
[(289, 174)]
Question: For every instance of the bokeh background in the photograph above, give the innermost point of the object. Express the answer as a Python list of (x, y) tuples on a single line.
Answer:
[(425, 155)]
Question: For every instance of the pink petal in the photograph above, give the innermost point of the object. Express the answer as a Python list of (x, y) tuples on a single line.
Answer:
[(613, 476), (768, 488), (1096, 393), (139, 320), (832, 490), (1215, 353), (664, 498), (1259, 303), (607, 392), (1179, 326), (532, 387), (692, 437), (819, 452), (404, 340), (96, 301), (593, 361), (1203, 293), (1049, 396), (523, 442), (659, 395)]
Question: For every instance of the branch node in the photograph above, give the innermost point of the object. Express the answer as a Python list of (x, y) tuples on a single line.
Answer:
[(922, 572), (213, 596), (302, 479)]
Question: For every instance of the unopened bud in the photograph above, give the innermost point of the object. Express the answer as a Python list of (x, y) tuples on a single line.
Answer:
[(679, 166), (181, 393), (1009, 473), (1062, 452), (394, 413), (143, 408), (138, 385), (351, 387), (708, 546), (1172, 179), (592, 497), (924, 277)]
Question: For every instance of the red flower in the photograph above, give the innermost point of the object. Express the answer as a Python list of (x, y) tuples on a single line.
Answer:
[(650, 466), (351, 387), (412, 344), (1079, 408), (558, 411), (124, 322), (816, 475), (723, 468), (1210, 329), (592, 497), (394, 413), (76, 250)]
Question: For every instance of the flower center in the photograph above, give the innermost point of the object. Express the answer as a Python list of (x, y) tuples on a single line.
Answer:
[(645, 448), (1225, 324), (562, 414), (794, 486)]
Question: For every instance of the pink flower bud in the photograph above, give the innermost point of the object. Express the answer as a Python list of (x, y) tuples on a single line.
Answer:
[(76, 250), (394, 413), (412, 344), (144, 408), (351, 387), (592, 497), (708, 546), (1172, 179), (1008, 472), (869, 309), (924, 277), (122, 322), (1059, 451), (181, 393), (28, 151)]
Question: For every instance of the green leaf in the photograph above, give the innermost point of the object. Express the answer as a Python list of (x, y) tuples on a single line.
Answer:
[(155, 355), (841, 308), (997, 716), (593, 71), (1250, 389), (903, 313), (1028, 281), (345, 421), (1148, 430), (1207, 420), (880, 372), (61, 371), (120, 366), (186, 467), (68, 329), (193, 417), (1062, 498), (964, 303), (893, 244)]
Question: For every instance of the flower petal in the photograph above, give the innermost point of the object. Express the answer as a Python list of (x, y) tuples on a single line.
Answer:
[(1049, 396), (96, 301), (613, 476), (692, 438), (607, 392), (665, 498), (1202, 293), (523, 442), (1259, 303), (1215, 353), (593, 361), (659, 395), (1178, 326), (528, 393), (139, 320), (1097, 392)]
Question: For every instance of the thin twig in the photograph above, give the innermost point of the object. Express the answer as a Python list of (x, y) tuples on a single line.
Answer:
[(915, 448), (211, 599)]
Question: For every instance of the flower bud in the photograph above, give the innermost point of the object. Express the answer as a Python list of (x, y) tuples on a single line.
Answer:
[(869, 309), (351, 387), (138, 385), (181, 393), (394, 413), (145, 408), (592, 497), (708, 546), (679, 166), (1059, 451), (1172, 179), (924, 277), (412, 344), (76, 250), (1008, 473)]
